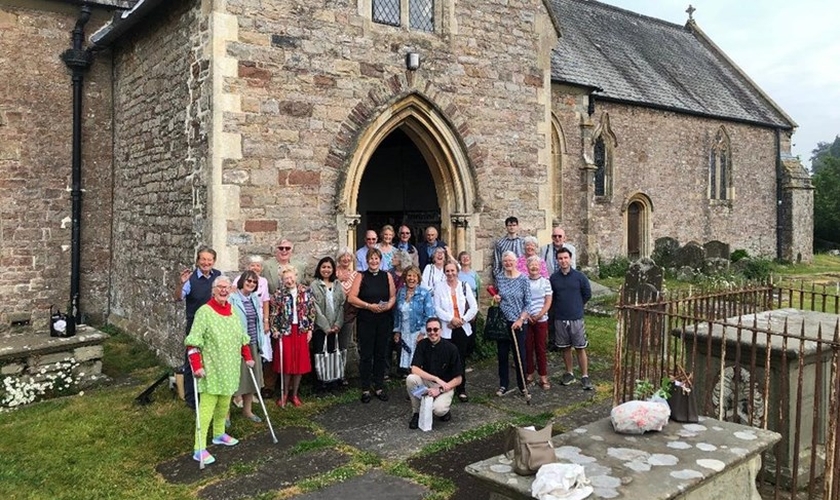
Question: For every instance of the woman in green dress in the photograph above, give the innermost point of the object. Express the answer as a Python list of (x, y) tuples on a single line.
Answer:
[(215, 346)]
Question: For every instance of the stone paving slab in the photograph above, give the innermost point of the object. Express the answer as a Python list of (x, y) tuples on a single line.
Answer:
[(382, 427), (258, 447), (374, 485), (275, 473)]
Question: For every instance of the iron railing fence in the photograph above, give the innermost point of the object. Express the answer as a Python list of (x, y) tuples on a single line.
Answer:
[(762, 354)]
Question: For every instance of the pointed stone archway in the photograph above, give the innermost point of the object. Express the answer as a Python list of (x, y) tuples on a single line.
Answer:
[(444, 153), (637, 221)]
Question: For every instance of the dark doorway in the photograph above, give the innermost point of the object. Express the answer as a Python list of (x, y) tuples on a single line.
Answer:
[(634, 230), (397, 188)]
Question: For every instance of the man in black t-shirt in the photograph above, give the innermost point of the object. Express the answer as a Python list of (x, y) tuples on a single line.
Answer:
[(437, 366)]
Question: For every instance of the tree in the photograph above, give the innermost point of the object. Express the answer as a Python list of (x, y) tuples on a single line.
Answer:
[(822, 151), (827, 200)]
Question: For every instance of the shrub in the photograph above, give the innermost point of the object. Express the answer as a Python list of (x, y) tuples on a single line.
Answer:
[(615, 268), (738, 255), (758, 269)]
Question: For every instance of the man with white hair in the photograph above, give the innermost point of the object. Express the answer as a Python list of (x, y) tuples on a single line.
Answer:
[(282, 256), (361, 254), (549, 252)]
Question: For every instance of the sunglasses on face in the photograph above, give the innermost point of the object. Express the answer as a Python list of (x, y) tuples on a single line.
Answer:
[(284, 249), (432, 330), (251, 281), (404, 232), (557, 236)]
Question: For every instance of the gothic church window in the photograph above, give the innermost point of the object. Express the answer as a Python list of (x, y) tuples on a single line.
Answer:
[(416, 14), (720, 167), (603, 143)]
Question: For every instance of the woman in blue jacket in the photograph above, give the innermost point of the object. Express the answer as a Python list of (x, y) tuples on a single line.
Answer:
[(413, 307)]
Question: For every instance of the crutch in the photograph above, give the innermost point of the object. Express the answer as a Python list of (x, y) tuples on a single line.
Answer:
[(262, 403), (518, 363), (198, 422)]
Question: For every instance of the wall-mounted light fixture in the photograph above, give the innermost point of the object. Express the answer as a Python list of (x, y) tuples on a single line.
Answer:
[(412, 61)]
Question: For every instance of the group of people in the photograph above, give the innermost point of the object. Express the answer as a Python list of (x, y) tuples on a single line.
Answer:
[(419, 301)]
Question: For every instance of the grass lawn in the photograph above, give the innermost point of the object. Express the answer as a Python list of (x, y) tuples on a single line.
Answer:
[(101, 445)]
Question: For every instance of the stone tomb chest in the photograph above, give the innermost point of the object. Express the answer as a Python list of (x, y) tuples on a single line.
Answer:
[(750, 392)]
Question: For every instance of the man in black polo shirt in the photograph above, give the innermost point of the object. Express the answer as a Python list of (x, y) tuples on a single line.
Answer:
[(437, 366)]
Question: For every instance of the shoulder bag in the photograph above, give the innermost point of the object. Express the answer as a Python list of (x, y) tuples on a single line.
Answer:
[(531, 449)]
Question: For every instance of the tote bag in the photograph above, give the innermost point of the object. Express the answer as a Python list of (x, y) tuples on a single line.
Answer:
[(329, 366), (496, 326)]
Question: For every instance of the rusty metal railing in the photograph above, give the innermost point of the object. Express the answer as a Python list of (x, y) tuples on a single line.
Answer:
[(765, 354)]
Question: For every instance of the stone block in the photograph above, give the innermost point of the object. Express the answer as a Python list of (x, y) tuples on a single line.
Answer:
[(87, 353), (37, 362), (12, 369)]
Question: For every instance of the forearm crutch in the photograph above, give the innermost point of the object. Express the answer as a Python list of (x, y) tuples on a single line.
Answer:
[(518, 363), (200, 438), (262, 403)]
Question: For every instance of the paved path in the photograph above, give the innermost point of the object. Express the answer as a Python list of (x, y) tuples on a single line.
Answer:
[(353, 451)]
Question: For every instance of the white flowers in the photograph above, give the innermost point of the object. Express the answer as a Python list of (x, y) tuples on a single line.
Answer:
[(17, 392)]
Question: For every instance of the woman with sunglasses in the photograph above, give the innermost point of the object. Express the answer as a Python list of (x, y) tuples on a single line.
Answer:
[(248, 307)]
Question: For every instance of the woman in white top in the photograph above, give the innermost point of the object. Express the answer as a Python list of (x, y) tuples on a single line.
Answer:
[(433, 274), (536, 337), (455, 305)]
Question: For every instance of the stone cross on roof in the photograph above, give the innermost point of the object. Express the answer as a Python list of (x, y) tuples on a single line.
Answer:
[(690, 10)]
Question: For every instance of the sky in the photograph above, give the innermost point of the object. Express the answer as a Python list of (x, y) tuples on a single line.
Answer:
[(791, 49)]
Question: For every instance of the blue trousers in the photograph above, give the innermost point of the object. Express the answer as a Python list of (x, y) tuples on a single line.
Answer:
[(503, 349)]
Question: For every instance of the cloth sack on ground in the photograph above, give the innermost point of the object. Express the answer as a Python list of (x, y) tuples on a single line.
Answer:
[(426, 414), (561, 482), (638, 417), (531, 449), (329, 366)]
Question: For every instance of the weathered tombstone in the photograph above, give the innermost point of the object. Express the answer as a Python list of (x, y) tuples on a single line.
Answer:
[(642, 284), (716, 250), (664, 251), (715, 265), (690, 255)]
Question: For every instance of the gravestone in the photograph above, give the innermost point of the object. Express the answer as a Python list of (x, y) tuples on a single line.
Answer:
[(690, 255), (716, 250), (642, 284), (715, 265), (664, 251)]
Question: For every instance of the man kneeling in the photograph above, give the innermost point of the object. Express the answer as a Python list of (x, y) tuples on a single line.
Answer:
[(437, 366)]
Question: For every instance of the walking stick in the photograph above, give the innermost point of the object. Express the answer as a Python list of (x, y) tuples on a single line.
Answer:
[(282, 375), (521, 369), (198, 423), (262, 403)]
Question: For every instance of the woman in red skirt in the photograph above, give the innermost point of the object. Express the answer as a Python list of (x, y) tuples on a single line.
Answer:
[(292, 316)]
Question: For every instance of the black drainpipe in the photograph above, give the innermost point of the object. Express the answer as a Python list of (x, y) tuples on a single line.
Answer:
[(781, 234), (78, 61)]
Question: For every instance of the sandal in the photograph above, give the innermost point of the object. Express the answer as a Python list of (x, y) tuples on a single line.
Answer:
[(545, 384), (529, 379)]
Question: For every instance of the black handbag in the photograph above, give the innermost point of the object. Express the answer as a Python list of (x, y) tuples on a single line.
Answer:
[(58, 323), (683, 405), (496, 326)]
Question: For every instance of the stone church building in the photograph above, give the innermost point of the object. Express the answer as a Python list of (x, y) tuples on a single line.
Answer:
[(235, 122)]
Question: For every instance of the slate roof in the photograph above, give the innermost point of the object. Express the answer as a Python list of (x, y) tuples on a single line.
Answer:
[(633, 58)]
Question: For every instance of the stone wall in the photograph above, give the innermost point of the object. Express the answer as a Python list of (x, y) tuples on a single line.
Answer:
[(664, 155), (314, 76), (35, 165), (160, 173)]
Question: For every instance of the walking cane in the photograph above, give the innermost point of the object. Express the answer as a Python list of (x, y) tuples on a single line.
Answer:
[(521, 369), (198, 423), (262, 403), (282, 376)]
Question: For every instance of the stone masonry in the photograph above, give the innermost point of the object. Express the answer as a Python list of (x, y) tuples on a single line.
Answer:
[(35, 166)]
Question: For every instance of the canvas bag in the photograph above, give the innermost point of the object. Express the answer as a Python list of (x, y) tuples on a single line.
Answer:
[(427, 404), (496, 327), (531, 449), (329, 366)]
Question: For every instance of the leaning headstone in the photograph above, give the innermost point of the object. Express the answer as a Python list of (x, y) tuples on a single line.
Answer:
[(685, 273), (642, 284), (715, 265), (664, 251), (716, 250), (643, 281), (690, 255)]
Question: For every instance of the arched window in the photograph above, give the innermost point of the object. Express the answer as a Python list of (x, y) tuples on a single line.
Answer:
[(603, 144), (557, 149), (720, 167)]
